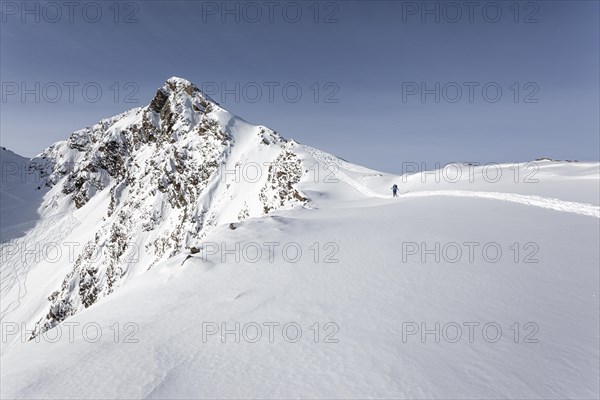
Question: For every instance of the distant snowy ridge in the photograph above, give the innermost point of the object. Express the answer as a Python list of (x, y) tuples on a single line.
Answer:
[(535, 201)]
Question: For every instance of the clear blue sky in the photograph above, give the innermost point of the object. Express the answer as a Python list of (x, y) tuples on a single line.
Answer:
[(370, 56)]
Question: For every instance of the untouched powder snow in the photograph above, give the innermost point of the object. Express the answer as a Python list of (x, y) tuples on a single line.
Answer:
[(307, 280)]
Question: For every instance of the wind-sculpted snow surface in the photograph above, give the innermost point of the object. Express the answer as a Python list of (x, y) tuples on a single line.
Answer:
[(183, 228)]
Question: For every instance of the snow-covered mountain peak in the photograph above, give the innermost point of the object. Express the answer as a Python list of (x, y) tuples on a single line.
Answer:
[(152, 182), (182, 92), (178, 81)]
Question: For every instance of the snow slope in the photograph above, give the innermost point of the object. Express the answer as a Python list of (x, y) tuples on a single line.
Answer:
[(318, 244), (19, 195)]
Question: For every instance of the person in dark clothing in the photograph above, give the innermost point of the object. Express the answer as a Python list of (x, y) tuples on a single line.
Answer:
[(395, 190)]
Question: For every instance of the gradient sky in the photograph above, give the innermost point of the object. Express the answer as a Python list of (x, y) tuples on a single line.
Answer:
[(362, 54)]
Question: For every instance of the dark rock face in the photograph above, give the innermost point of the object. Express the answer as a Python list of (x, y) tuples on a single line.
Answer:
[(283, 174), (159, 101)]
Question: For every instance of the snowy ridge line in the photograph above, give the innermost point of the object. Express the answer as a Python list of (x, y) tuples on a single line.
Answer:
[(327, 159), (529, 200)]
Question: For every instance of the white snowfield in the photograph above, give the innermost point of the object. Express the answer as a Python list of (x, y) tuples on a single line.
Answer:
[(466, 286), (532, 200)]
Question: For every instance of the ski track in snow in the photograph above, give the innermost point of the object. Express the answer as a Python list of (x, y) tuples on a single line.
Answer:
[(529, 200), (20, 200), (15, 266), (327, 160)]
